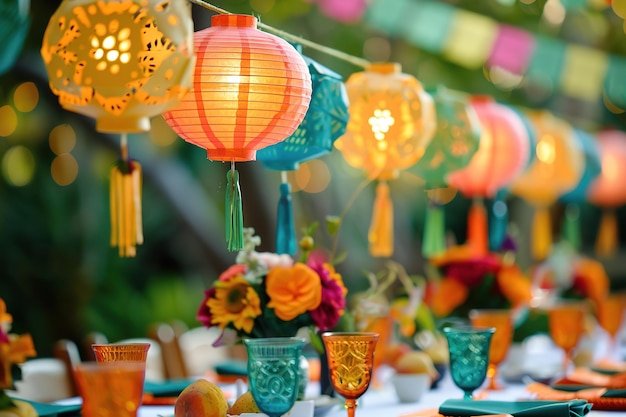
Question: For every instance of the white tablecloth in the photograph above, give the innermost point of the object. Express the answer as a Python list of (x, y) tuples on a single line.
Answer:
[(382, 402)]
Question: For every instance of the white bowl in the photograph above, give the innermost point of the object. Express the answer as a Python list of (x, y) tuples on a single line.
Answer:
[(410, 387)]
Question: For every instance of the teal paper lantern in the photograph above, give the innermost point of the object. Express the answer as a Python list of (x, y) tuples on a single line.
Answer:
[(452, 147), (324, 122), (14, 24), (572, 199)]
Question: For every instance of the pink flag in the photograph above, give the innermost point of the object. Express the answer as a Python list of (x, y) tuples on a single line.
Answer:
[(512, 49)]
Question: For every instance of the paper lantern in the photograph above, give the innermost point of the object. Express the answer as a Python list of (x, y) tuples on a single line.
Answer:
[(324, 122), (392, 120), (251, 89), (571, 225), (499, 212), (120, 63), (501, 157), (607, 190), (14, 25), (558, 166), (452, 147)]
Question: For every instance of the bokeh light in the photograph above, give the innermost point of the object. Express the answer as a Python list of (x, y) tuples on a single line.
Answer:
[(8, 120), (62, 139), (313, 176), (18, 166), (64, 169), (26, 97)]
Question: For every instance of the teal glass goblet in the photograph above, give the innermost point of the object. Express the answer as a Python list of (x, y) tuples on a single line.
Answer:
[(469, 356), (274, 372)]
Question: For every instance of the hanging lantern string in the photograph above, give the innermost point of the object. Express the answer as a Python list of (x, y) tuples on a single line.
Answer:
[(359, 62)]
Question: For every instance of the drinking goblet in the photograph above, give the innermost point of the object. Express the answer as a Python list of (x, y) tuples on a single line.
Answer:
[(469, 356), (274, 372), (350, 360), (566, 323), (610, 312), (502, 321)]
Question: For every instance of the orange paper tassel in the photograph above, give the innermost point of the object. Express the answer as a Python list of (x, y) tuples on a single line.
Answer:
[(381, 230), (606, 241), (125, 206), (541, 234), (477, 237)]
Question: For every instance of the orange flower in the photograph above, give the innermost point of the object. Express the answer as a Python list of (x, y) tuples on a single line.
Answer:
[(293, 291), (453, 254), (449, 294), (514, 285), (591, 277)]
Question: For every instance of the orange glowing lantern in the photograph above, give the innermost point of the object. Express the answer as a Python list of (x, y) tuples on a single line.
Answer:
[(251, 89), (121, 63), (501, 157), (558, 166), (392, 120), (607, 190)]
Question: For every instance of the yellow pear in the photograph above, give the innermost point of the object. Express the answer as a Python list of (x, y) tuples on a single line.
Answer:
[(201, 398), (244, 404)]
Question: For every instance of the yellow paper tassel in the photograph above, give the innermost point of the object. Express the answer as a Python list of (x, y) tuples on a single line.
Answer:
[(477, 238), (541, 234), (606, 241), (125, 205), (381, 230)]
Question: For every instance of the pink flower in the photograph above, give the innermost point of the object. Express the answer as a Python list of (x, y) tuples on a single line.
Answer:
[(204, 312), (233, 271), (333, 302)]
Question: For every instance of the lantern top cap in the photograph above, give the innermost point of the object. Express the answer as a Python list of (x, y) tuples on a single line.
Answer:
[(234, 20), (385, 67), (482, 98)]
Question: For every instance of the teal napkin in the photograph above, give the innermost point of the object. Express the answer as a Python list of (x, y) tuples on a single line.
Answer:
[(234, 367), (467, 408), (169, 388)]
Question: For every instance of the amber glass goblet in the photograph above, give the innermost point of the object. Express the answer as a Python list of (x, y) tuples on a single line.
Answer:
[(350, 360), (566, 323), (126, 352), (610, 312), (502, 321)]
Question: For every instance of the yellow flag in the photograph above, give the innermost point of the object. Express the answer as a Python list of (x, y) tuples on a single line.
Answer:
[(470, 40), (584, 70)]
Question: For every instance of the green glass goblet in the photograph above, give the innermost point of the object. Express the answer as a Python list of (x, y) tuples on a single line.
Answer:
[(274, 372), (469, 356)]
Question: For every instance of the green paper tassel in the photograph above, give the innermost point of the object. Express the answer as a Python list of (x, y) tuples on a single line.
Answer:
[(434, 241), (285, 226), (571, 226), (234, 223)]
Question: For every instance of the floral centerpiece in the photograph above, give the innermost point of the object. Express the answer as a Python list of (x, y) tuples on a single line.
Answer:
[(14, 349), (567, 274), (271, 295), (461, 281)]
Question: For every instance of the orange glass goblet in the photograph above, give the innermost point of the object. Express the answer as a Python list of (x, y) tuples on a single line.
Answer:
[(350, 361), (610, 313), (566, 324), (502, 321), (126, 352)]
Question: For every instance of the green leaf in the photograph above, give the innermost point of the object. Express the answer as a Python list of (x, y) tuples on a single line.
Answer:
[(5, 401), (341, 256)]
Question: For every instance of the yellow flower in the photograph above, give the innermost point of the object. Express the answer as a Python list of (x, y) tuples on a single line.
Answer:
[(293, 291), (235, 302)]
